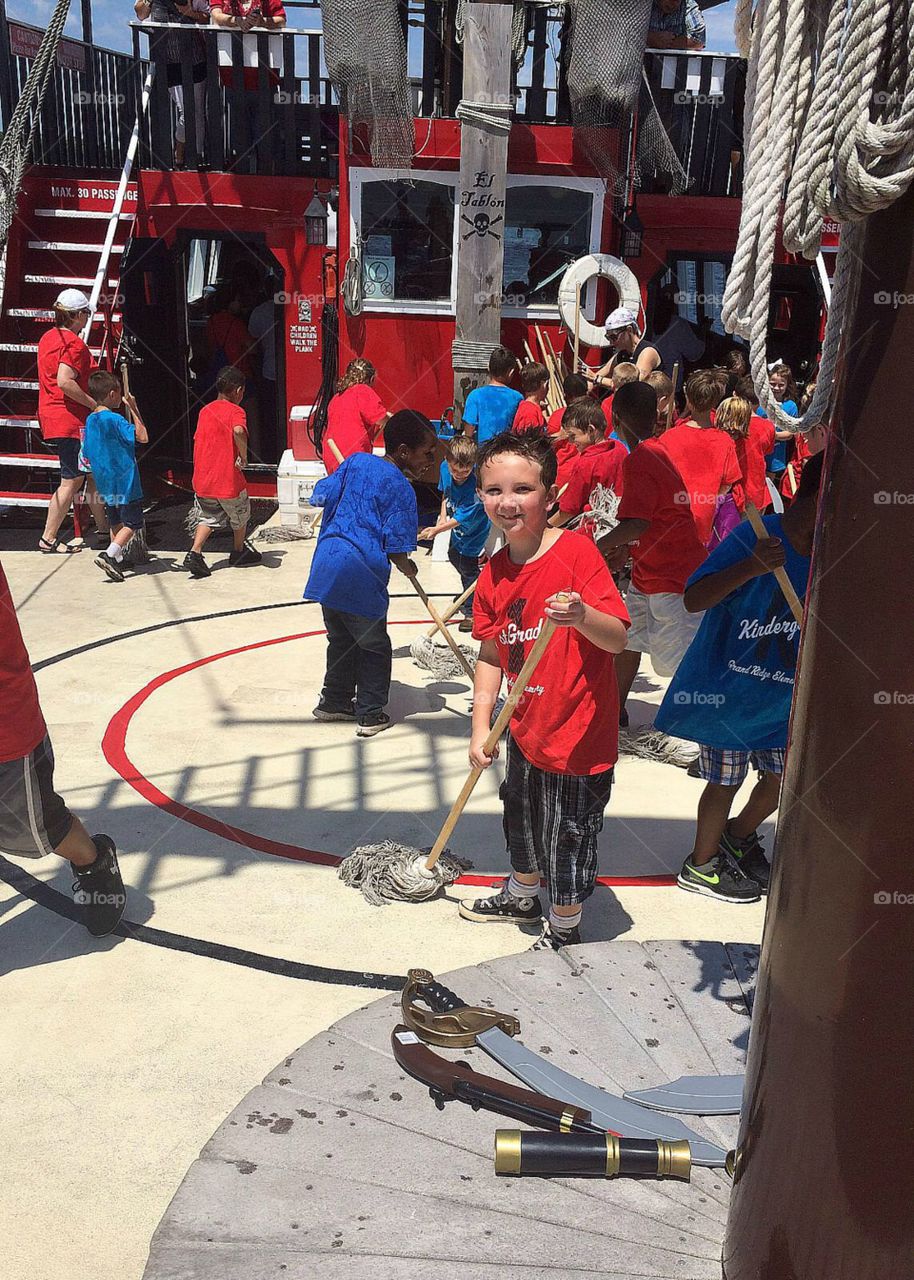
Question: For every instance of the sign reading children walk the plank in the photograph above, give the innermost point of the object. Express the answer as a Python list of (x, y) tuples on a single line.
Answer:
[(485, 116)]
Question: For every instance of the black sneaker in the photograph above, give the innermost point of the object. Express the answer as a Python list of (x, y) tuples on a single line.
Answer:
[(749, 856), (100, 891), (369, 725), (244, 556), (552, 939), (110, 566), (503, 908), (322, 712), (196, 566), (719, 878)]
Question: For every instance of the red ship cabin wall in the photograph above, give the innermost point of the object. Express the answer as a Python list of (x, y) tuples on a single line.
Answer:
[(409, 339)]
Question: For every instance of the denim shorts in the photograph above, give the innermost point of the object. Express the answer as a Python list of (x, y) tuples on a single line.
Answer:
[(128, 513), (67, 450)]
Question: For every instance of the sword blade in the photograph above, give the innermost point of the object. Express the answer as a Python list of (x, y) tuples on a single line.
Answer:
[(627, 1119), (694, 1096)]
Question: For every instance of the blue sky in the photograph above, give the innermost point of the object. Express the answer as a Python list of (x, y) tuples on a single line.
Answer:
[(110, 18)]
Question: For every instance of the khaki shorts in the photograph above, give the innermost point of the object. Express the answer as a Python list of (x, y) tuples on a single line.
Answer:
[(219, 512), (661, 627)]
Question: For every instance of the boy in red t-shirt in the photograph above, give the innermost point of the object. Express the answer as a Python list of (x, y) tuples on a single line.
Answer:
[(574, 387), (34, 820), (220, 454), (623, 373), (656, 525), (703, 456), (598, 461), (563, 739), (534, 384)]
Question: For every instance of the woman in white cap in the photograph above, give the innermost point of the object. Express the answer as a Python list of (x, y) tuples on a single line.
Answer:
[(622, 335), (64, 403)]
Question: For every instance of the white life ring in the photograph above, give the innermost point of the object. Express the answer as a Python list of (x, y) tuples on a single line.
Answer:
[(621, 277)]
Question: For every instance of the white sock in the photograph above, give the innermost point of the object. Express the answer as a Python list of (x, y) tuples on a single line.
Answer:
[(564, 924), (517, 889), (116, 551)]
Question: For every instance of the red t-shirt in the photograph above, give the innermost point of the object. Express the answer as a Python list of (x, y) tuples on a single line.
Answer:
[(667, 553), (600, 463), (706, 460), (751, 451), (352, 423), (606, 404), (59, 417), (528, 414), (566, 455), (229, 332), (569, 722), (215, 451), (22, 725), (554, 425)]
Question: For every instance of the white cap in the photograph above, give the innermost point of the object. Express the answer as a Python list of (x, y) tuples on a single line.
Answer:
[(72, 300), (621, 318)]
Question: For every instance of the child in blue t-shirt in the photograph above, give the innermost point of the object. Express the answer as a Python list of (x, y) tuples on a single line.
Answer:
[(463, 513), (110, 449), (370, 522), (490, 410), (733, 690)]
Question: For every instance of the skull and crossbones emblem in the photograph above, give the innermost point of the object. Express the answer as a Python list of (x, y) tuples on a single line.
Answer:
[(481, 225)]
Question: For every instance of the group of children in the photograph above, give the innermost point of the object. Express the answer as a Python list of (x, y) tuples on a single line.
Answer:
[(220, 453), (703, 603)]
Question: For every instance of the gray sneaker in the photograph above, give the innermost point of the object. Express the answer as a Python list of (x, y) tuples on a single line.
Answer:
[(503, 908)]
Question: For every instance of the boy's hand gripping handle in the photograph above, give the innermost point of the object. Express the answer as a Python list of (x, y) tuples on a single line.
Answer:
[(498, 728)]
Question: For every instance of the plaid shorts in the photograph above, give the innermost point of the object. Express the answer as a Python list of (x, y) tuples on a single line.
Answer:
[(551, 822), (33, 818), (730, 768), (219, 512)]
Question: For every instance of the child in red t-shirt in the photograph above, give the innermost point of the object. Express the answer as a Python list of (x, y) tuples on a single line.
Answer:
[(355, 415), (563, 738), (656, 525), (574, 387), (753, 450), (623, 373), (704, 456), (598, 461), (220, 495), (666, 400), (534, 384), (34, 820)]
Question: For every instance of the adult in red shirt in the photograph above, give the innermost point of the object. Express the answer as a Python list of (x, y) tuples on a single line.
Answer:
[(704, 456), (34, 820), (220, 494), (64, 403), (355, 415), (656, 526)]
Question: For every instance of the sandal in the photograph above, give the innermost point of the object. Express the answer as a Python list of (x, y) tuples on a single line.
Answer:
[(54, 547)]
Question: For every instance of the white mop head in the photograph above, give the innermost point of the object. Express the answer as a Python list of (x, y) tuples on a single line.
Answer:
[(648, 743), (440, 659), (392, 872)]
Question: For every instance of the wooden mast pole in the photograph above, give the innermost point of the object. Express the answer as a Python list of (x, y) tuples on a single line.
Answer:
[(480, 212), (824, 1183)]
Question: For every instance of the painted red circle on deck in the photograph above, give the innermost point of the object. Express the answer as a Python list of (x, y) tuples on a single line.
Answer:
[(114, 749)]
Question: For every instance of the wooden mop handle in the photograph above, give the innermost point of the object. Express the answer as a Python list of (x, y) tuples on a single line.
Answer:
[(672, 405), (796, 607), (331, 445), (439, 623), (453, 607), (577, 326), (498, 728)]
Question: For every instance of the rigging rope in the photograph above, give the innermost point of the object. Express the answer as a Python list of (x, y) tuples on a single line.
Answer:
[(830, 128)]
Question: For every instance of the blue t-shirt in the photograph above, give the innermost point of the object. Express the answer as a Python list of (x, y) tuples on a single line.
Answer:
[(370, 513), (491, 410), (776, 460), (110, 449), (462, 503), (734, 685)]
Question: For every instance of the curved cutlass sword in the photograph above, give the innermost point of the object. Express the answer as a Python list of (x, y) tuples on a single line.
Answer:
[(627, 1119)]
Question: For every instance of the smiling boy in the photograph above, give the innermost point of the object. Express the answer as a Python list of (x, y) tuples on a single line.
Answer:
[(563, 737)]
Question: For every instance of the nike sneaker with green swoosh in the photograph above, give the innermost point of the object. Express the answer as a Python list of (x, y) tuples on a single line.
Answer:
[(718, 878), (749, 855)]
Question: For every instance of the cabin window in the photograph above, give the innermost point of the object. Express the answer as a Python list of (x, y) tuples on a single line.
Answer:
[(700, 285), (546, 229), (407, 232)]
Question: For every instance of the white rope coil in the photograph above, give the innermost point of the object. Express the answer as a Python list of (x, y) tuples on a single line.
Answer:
[(466, 354), (490, 115), (829, 127)]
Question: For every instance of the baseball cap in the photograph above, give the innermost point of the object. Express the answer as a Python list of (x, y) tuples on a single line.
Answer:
[(72, 300), (621, 318)]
